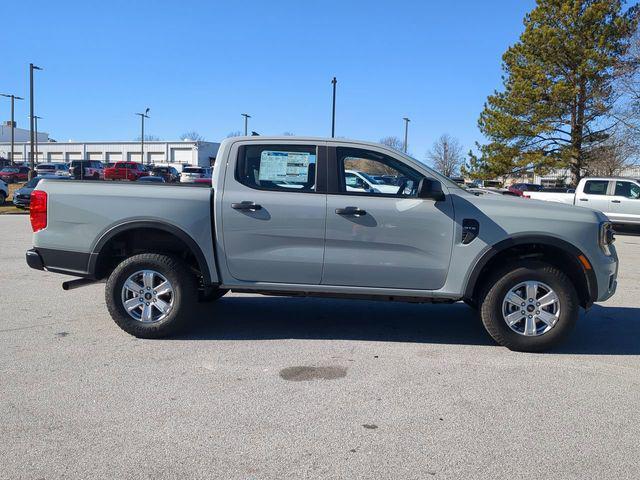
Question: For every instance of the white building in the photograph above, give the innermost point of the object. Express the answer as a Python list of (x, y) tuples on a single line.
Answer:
[(177, 153), (19, 134)]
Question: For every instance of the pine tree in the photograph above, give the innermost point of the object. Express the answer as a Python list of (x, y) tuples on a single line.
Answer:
[(558, 88)]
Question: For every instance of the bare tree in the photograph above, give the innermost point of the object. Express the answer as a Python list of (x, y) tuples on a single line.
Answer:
[(193, 136), (236, 133), (393, 142), (446, 155), (287, 134), (613, 156)]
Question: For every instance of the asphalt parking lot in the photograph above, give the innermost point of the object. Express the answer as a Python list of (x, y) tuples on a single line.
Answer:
[(398, 391)]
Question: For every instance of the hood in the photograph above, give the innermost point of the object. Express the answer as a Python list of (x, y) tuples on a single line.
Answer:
[(534, 210)]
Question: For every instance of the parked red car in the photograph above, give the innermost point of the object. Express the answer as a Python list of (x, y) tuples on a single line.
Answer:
[(14, 174), (518, 188), (126, 171)]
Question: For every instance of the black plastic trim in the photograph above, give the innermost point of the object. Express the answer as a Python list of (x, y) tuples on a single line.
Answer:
[(159, 225), (59, 261), (34, 260), (590, 276)]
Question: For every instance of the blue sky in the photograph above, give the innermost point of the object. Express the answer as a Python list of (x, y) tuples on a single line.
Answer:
[(199, 64)]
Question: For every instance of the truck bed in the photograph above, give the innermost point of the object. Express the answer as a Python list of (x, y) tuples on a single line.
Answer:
[(567, 198), (80, 213)]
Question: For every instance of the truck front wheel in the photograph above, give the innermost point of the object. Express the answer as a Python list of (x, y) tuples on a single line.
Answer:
[(529, 306), (151, 295)]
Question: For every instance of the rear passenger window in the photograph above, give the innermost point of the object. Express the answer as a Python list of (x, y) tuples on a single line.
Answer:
[(290, 168), (596, 187), (627, 189)]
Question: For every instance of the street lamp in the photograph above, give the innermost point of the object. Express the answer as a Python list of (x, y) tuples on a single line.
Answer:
[(246, 122), (142, 117), (333, 109), (32, 67), (36, 118), (406, 132), (13, 123)]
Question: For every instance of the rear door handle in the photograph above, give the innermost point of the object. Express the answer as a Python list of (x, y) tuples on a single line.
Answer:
[(615, 201), (355, 211), (251, 206), (584, 199)]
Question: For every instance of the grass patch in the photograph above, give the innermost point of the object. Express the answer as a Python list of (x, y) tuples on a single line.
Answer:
[(8, 208)]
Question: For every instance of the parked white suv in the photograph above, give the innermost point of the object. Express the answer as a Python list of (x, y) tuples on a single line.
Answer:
[(190, 174), (60, 169)]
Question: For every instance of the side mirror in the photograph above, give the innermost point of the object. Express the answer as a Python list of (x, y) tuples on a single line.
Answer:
[(428, 188)]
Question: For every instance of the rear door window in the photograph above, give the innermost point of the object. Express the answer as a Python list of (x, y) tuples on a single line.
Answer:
[(290, 168), (596, 187), (627, 190)]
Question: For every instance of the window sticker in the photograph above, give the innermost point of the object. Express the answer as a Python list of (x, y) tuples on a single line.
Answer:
[(285, 166)]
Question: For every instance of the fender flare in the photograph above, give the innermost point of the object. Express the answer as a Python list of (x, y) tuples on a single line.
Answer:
[(523, 239), (158, 225)]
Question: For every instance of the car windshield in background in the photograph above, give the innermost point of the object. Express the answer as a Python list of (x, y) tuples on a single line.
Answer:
[(9, 170), (33, 182), (193, 170)]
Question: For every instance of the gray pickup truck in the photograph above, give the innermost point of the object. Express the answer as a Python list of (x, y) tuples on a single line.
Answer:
[(288, 216)]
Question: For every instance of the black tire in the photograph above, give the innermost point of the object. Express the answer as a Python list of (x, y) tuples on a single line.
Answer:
[(96, 176), (185, 291), (211, 295), (3, 198), (509, 277)]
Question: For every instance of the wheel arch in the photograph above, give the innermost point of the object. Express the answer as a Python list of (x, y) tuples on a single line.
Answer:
[(98, 250), (554, 250)]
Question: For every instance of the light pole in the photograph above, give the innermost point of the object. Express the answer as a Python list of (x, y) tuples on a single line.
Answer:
[(333, 109), (13, 122), (246, 122), (142, 117), (32, 67), (36, 118), (406, 132)]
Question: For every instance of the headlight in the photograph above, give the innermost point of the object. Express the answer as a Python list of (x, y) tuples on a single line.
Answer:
[(606, 237)]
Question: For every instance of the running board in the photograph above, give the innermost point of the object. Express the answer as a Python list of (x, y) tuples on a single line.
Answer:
[(77, 283)]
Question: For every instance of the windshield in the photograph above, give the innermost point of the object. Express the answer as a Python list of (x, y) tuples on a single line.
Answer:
[(9, 170), (192, 170), (33, 182)]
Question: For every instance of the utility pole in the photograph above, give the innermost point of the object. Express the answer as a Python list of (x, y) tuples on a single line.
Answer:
[(13, 122), (406, 133), (142, 117), (36, 118), (333, 109), (246, 122), (32, 67)]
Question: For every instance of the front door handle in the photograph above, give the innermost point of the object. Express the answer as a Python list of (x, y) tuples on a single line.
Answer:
[(615, 201), (251, 206), (584, 199), (355, 211)]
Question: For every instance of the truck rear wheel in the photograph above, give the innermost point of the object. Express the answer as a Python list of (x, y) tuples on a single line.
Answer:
[(529, 306), (151, 295)]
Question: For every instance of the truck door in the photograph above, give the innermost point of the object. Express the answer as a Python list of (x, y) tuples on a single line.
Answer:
[(594, 195), (625, 202), (274, 212), (379, 238)]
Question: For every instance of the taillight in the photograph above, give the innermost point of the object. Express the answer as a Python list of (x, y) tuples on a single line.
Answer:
[(38, 210)]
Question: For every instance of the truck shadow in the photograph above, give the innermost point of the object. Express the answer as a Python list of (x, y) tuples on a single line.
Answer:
[(601, 331)]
